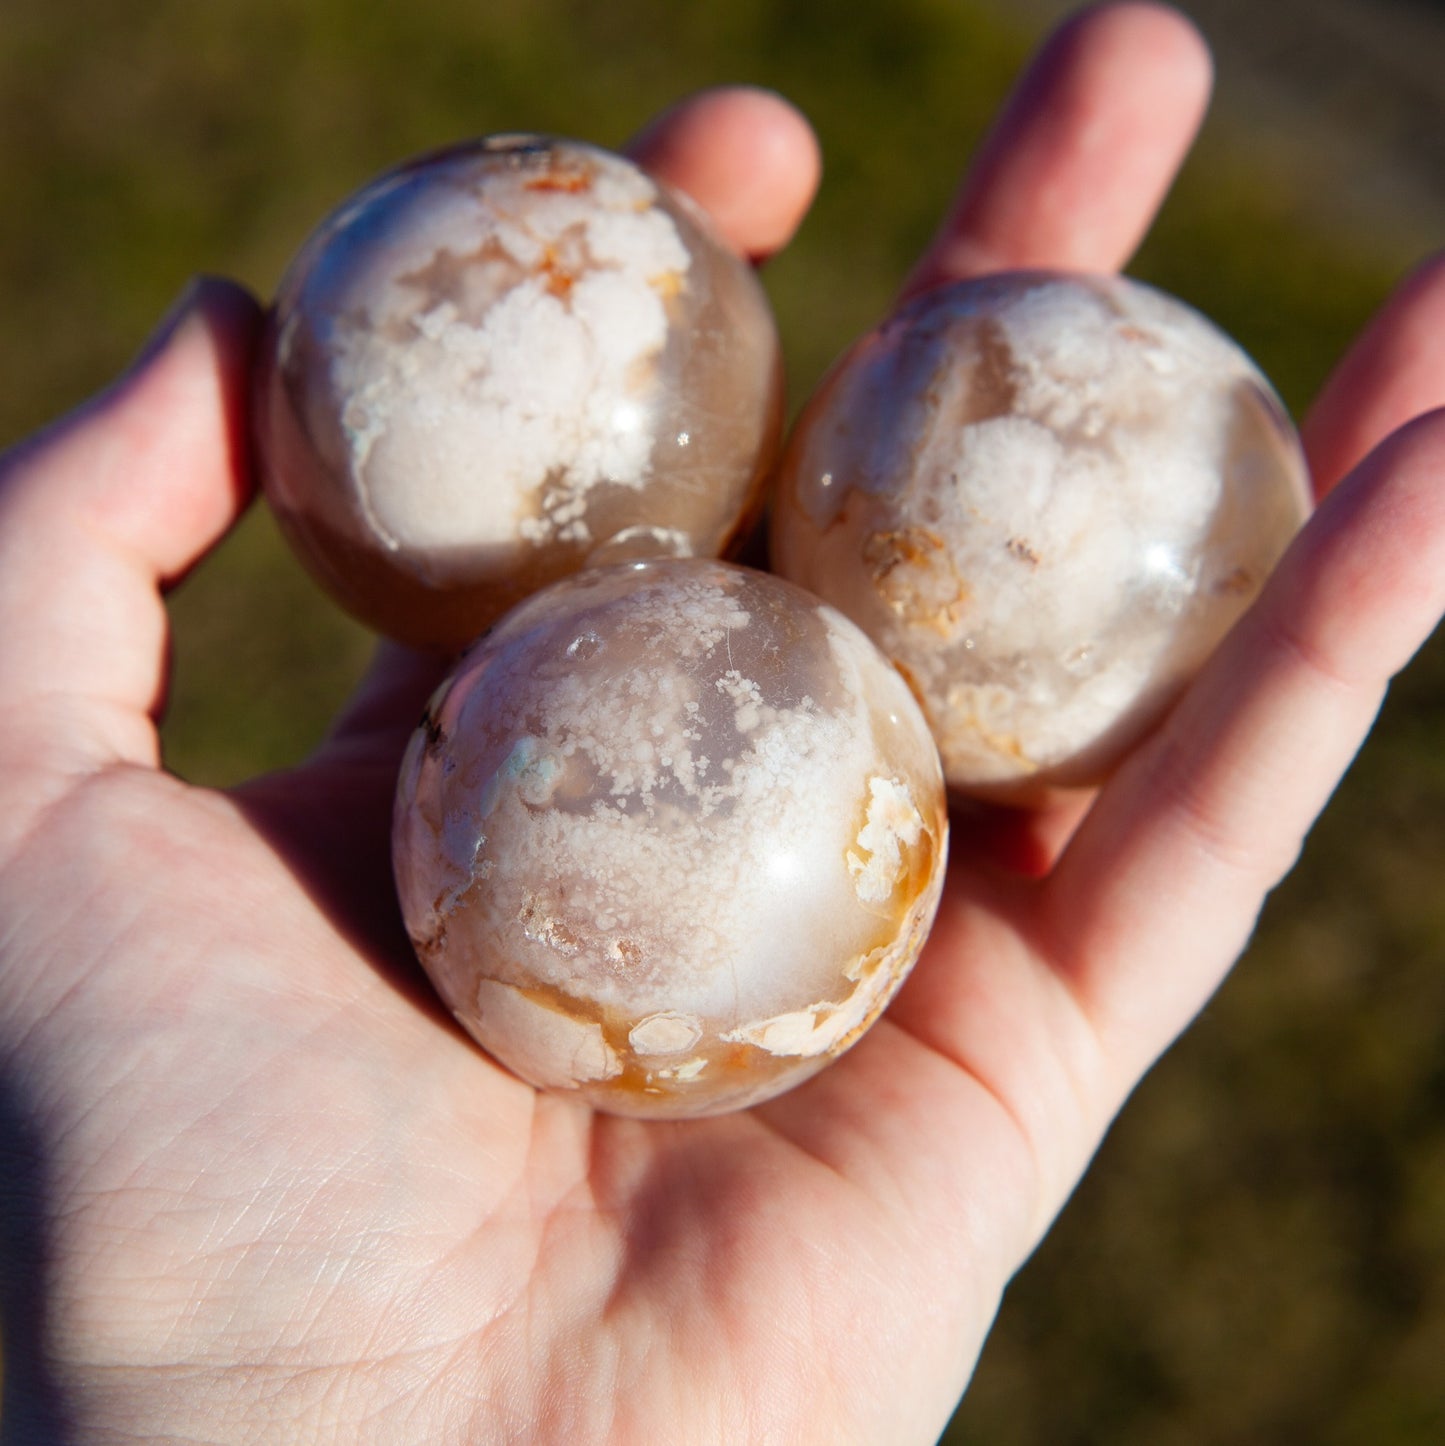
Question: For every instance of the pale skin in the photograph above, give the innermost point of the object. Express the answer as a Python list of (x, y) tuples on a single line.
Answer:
[(277, 1196)]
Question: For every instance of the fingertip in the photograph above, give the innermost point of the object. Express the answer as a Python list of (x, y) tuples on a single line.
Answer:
[(1160, 34), (158, 462), (1168, 57), (219, 305), (1377, 552), (117, 499), (1136, 40), (1089, 141), (746, 155), (181, 413), (1136, 78), (1392, 373)]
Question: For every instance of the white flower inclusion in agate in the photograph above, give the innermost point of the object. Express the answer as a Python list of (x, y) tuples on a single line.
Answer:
[(1045, 497), (670, 837), (500, 363)]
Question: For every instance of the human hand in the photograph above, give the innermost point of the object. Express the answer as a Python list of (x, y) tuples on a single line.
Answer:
[(259, 1188)]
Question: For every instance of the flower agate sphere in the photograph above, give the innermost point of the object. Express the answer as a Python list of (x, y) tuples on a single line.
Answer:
[(670, 837), (503, 362), (1046, 498)]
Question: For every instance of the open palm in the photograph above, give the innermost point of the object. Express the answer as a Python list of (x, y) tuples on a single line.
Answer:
[(259, 1188)]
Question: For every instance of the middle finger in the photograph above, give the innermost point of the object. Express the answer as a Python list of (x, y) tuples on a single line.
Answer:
[(1075, 168)]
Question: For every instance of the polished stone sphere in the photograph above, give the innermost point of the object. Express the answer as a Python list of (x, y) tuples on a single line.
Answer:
[(670, 837), (503, 362), (1046, 498)]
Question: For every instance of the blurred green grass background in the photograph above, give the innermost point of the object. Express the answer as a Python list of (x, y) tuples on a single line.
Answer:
[(1259, 1254)]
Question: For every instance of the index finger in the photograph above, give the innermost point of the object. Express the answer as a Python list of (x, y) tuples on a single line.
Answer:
[(745, 155)]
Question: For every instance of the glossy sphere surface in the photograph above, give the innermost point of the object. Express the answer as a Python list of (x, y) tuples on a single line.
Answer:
[(1046, 498), (670, 837), (503, 362)]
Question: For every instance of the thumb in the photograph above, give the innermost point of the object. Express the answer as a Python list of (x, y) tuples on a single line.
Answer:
[(100, 512)]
